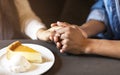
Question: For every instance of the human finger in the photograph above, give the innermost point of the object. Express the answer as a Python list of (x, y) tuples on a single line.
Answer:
[(65, 42), (51, 37), (61, 30), (54, 24), (58, 45), (63, 49), (62, 24), (56, 37), (65, 35)]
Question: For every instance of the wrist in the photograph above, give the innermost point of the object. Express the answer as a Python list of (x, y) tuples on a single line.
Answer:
[(40, 31), (32, 28), (91, 46), (83, 32)]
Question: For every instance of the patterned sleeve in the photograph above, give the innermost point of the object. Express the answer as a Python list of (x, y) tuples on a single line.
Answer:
[(98, 12)]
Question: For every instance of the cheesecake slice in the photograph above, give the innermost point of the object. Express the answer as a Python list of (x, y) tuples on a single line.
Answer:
[(30, 54)]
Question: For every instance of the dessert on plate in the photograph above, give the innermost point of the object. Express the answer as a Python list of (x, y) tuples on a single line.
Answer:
[(30, 54), (20, 57)]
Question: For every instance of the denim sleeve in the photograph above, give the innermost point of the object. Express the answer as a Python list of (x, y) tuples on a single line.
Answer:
[(98, 12)]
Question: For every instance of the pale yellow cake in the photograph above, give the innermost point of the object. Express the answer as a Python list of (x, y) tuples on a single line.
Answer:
[(29, 53)]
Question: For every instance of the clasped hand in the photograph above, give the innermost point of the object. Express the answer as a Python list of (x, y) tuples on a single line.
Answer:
[(69, 38)]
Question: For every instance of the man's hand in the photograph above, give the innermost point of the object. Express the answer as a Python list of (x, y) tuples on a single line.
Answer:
[(71, 39)]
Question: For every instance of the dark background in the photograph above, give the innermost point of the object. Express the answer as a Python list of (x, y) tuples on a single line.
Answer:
[(72, 11), (50, 11)]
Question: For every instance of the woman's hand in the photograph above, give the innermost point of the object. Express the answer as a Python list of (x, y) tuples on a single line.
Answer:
[(44, 34)]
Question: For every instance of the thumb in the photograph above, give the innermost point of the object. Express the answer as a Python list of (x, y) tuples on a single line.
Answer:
[(62, 24), (54, 24)]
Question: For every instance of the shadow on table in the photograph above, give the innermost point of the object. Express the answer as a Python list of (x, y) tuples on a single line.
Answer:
[(55, 68)]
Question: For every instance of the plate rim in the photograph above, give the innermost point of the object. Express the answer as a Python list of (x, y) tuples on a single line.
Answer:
[(3, 51)]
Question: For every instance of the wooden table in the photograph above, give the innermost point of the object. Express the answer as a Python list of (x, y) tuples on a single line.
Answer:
[(67, 64)]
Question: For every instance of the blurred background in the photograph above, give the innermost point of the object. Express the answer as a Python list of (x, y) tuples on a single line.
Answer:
[(50, 11), (72, 11)]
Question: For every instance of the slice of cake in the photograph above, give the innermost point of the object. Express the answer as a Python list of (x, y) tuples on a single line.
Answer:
[(29, 53)]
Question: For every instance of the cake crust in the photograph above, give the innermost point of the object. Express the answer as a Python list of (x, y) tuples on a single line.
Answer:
[(34, 57)]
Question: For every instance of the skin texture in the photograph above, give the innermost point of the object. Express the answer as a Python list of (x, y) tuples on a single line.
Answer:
[(63, 39), (72, 39), (27, 15), (45, 34)]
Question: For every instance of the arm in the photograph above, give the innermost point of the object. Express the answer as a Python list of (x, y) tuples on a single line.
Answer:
[(97, 20), (78, 44), (93, 27), (109, 48), (30, 23)]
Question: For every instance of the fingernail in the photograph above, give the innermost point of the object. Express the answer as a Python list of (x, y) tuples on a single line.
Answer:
[(58, 22), (61, 51)]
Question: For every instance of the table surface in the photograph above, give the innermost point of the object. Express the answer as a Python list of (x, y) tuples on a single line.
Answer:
[(67, 64)]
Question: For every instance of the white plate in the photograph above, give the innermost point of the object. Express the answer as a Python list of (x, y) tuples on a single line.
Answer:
[(38, 68)]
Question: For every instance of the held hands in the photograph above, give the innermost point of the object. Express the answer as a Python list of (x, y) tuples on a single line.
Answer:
[(44, 34), (69, 38)]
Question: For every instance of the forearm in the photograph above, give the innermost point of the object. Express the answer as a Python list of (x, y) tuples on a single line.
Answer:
[(24, 9), (25, 12), (109, 48), (30, 23), (93, 27)]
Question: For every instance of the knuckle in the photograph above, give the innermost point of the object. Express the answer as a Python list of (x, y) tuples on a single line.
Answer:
[(69, 28), (65, 46), (66, 41)]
